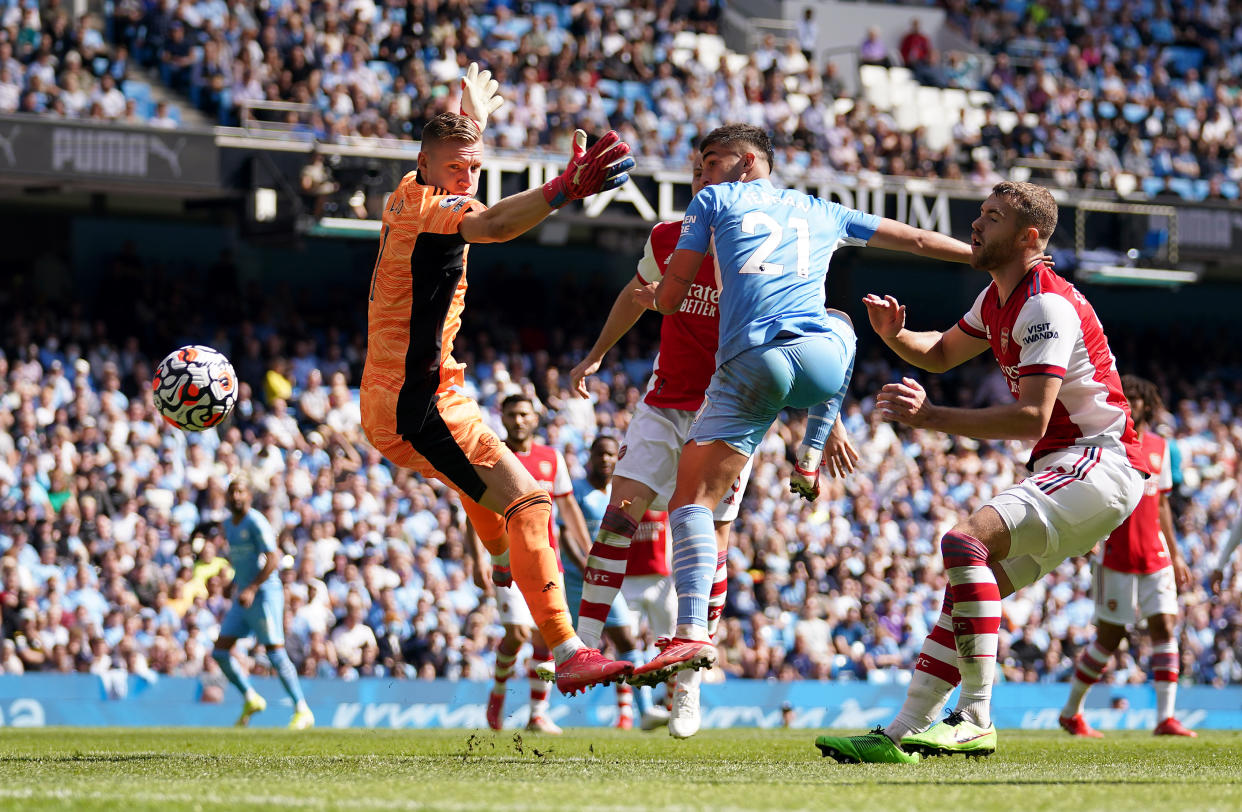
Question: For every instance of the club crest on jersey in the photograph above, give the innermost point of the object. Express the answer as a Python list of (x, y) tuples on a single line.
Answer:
[(1004, 341), (1155, 459), (545, 469)]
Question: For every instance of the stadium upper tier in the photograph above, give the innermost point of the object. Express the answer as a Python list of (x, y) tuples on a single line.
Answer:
[(1133, 96)]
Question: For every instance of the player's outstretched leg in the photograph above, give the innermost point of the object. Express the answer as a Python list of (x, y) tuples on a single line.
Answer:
[(506, 656), (870, 748), (1164, 671), (1092, 663), (976, 626), (694, 566), (536, 573), (302, 716), (685, 718), (253, 702), (605, 571)]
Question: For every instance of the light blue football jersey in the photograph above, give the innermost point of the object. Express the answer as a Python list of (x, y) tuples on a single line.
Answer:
[(249, 539), (594, 504), (772, 248)]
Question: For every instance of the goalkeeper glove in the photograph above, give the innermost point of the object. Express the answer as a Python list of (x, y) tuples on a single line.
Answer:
[(480, 96), (602, 167)]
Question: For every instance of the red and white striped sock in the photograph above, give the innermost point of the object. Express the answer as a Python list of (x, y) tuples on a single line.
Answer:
[(604, 573), (625, 701), (716, 598), (538, 688), (976, 622), (504, 667), (1164, 670), (1090, 668), (935, 677)]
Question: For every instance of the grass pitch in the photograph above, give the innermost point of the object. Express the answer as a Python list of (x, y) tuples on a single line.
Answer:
[(605, 770)]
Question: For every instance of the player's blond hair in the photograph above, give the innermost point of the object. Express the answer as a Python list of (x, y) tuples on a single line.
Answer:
[(451, 127), (1034, 204)]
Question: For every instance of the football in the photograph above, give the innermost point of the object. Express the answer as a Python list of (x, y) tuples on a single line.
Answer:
[(195, 387)]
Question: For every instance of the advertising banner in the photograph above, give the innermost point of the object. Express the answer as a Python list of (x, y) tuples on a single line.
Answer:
[(117, 699)]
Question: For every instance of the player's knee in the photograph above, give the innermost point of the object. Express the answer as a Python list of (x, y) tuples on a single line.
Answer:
[(959, 548), (517, 635), (1161, 628)]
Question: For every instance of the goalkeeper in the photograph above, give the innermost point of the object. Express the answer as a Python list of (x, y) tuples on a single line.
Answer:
[(413, 407)]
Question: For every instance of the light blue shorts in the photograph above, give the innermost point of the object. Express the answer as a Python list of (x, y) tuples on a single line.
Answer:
[(265, 618), (750, 389), (618, 614)]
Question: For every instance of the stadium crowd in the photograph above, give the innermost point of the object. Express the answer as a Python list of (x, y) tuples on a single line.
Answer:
[(110, 545), (1150, 91)]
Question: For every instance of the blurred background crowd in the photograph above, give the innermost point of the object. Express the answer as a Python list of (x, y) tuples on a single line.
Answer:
[(111, 554), (1094, 91)]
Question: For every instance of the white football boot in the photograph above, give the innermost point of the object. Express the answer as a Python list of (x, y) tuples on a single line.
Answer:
[(685, 720)]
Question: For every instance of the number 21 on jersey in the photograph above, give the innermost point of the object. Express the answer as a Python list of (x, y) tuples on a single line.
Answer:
[(754, 221)]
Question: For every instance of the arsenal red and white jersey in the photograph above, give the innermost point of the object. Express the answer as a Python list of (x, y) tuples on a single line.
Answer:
[(547, 466), (1048, 328), (649, 551), (1138, 545), (688, 338)]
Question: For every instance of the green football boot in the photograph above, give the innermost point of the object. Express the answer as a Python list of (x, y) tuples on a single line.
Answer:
[(954, 736), (870, 748)]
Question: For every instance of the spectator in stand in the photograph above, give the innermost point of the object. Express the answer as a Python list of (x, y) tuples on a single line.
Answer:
[(916, 51), (872, 50)]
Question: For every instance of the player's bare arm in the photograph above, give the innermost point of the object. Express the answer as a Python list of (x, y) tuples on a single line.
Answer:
[(624, 314), (576, 540), (896, 236), (482, 561), (933, 351), (1181, 573), (1025, 419), (604, 166), (270, 561), (667, 296)]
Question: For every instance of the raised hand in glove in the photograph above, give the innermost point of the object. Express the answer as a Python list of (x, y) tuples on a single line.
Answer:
[(480, 96), (602, 167)]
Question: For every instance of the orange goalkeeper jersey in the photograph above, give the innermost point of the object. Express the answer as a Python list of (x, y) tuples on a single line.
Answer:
[(418, 289)]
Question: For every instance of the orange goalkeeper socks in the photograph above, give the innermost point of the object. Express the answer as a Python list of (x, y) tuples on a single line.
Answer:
[(534, 566)]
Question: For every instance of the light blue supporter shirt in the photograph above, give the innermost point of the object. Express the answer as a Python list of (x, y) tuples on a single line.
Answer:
[(249, 540), (594, 504), (772, 248)]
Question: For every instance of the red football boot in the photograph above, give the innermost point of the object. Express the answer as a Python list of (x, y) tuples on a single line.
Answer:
[(1172, 727), (495, 710), (676, 654), (1077, 726), (588, 668)]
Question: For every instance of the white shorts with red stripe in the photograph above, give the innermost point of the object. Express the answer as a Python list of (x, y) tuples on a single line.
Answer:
[(652, 450), (1125, 598), (512, 608), (1075, 498)]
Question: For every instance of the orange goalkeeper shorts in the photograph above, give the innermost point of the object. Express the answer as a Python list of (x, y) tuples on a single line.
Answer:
[(442, 437)]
